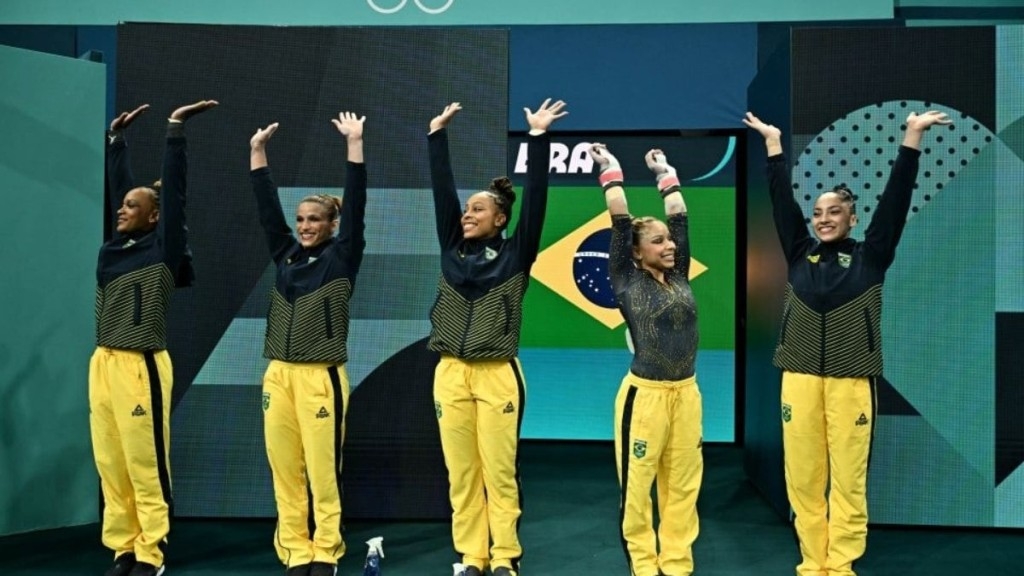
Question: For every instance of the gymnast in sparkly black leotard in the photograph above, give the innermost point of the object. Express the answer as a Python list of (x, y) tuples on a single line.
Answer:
[(658, 407), (661, 315)]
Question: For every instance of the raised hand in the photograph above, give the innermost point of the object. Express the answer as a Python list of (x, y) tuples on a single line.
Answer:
[(922, 122), (772, 135), (657, 162), (125, 119), (545, 115), (189, 110), (350, 125), (262, 135), (917, 124), (768, 131), (442, 119), (605, 159)]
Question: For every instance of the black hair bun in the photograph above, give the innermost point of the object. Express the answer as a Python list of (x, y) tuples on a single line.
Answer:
[(502, 186)]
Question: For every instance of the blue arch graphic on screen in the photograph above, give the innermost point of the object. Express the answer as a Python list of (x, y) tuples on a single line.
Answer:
[(730, 149)]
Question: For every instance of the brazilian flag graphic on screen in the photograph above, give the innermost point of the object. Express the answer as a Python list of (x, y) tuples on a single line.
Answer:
[(574, 346)]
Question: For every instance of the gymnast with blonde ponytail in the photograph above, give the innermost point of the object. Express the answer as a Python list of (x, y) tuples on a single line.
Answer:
[(306, 387)]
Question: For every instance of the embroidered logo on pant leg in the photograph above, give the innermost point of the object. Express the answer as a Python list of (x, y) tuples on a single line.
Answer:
[(640, 448)]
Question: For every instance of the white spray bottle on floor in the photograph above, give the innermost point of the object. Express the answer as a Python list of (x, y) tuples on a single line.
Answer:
[(373, 556)]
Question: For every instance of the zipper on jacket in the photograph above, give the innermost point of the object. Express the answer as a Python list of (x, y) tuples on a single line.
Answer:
[(291, 328), (327, 318), (821, 364), (785, 326), (870, 330), (465, 333), (137, 293), (508, 312)]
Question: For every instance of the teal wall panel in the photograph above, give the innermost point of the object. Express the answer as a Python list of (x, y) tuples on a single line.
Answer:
[(51, 167)]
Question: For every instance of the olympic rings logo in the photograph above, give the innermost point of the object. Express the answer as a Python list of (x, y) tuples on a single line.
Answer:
[(401, 4)]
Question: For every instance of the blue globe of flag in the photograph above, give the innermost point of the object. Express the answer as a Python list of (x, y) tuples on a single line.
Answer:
[(590, 269)]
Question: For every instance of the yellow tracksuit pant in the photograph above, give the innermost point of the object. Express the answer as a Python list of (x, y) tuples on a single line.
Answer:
[(479, 407), (658, 439), (304, 408), (827, 425), (129, 418)]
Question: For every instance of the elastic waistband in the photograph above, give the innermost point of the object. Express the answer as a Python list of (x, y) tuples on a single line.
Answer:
[(661, 384), (109, 350), (305, 365), (475, 361)]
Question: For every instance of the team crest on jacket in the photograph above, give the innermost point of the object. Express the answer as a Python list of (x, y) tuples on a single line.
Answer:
[(640, 448), (787, 412), (266, 401), (845, 259), (490, 253), (437, 409), (813, 258)]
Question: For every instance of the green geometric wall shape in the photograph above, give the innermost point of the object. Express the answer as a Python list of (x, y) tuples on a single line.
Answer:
[(939, 319), (51, 166)]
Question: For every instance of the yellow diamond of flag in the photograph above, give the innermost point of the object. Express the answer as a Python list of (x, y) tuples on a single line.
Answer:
[(554, 269)]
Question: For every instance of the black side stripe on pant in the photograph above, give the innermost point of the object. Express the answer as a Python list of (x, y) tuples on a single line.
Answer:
[(792, 524), (521, 389), (624, 432), (873, 385), (310, 509), (277, 538), (339, 423), (156, 401)]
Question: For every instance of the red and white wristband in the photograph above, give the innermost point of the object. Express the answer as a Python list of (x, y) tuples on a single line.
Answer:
[(610, 178), (667, 184)]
